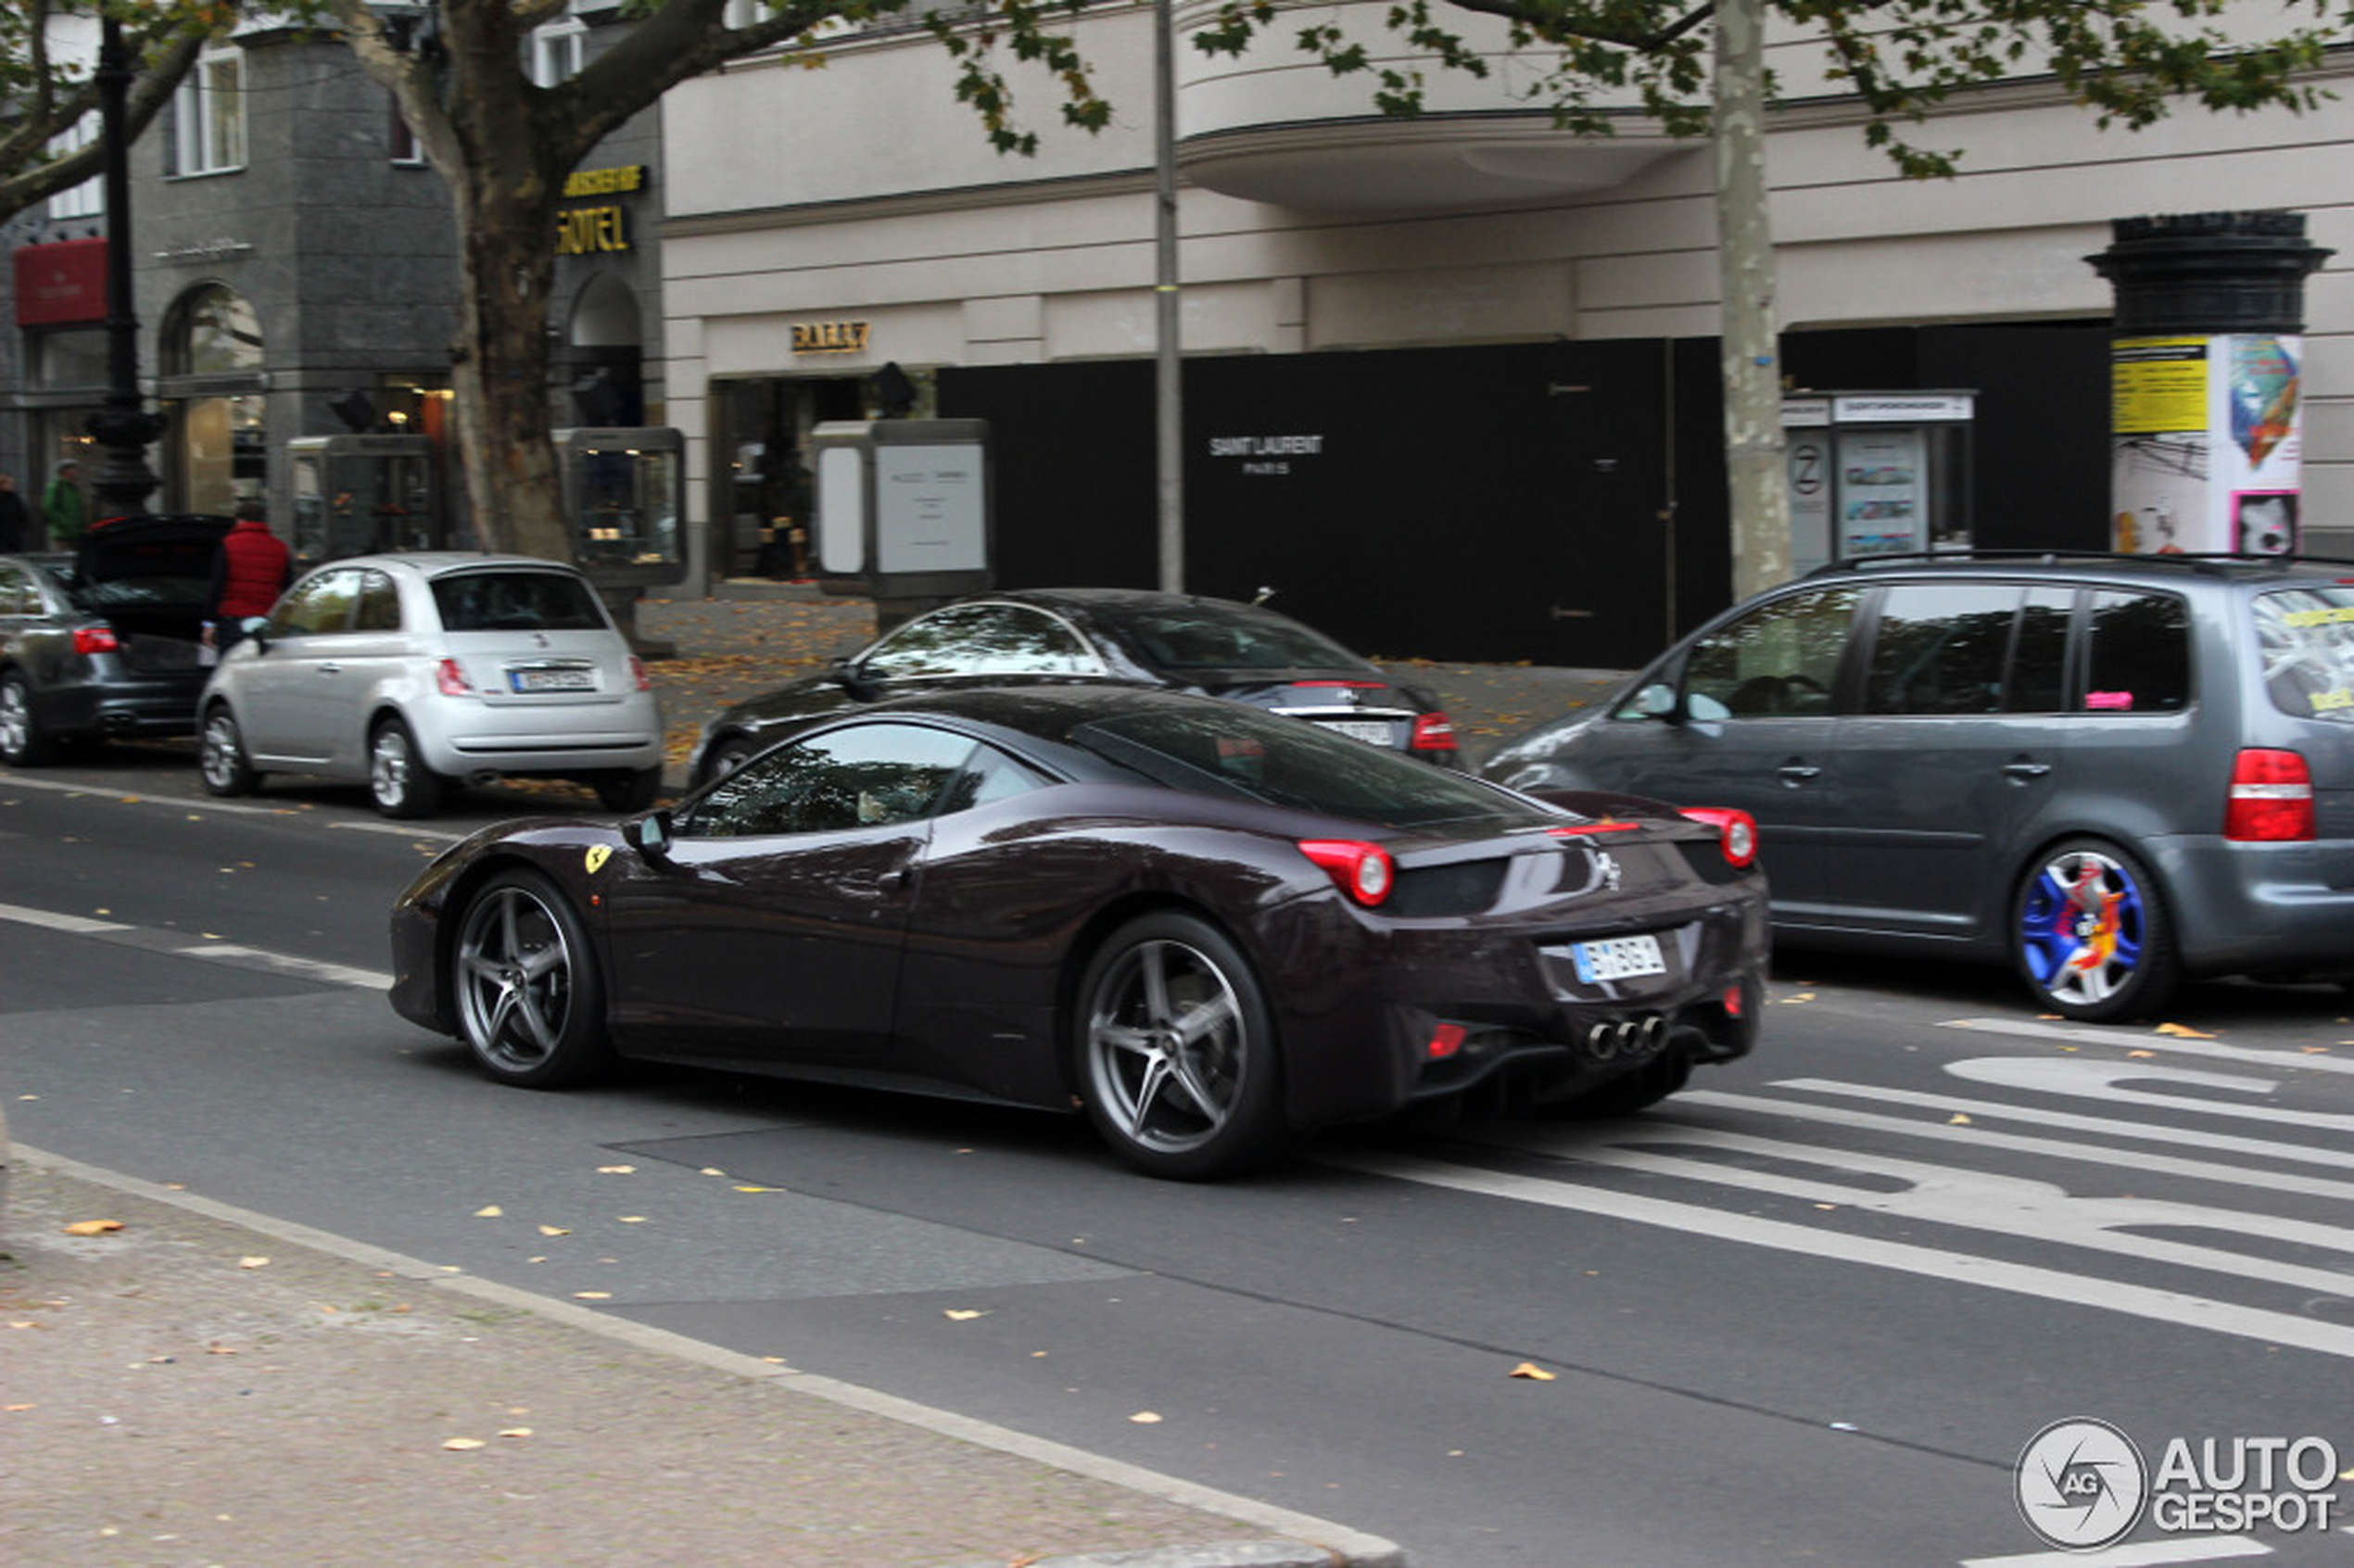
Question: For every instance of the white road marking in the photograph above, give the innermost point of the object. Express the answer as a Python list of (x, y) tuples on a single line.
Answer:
[(1975, 1136), (231, 808), (2215, 1050), (2178, 1308), (2106, 1126), (2100, 1081), (172, 943), (2136, 1554)]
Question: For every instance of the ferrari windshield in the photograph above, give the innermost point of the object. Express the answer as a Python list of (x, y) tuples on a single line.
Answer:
[(1286, 762)]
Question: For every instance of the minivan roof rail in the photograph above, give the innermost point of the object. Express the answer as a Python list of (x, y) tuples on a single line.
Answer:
[(2209, 562)]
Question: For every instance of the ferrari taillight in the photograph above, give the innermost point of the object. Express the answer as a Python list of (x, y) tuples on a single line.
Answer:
[(1361, 870), (2271, 800), (96, 640), (1432, 732), (1736, 832)]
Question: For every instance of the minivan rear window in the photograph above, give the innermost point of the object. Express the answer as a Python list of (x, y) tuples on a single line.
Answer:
[(2307, 639)]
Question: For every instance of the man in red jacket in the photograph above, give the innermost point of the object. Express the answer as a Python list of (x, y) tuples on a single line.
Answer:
[(250, 570)]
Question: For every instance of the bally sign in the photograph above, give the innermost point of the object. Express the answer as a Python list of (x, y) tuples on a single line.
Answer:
[(830, 337), (62, 284)]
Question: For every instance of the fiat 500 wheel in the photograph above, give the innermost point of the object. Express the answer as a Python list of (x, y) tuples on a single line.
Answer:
[(1178, 1051), (2091, 935), (527, 988), (398, 776)]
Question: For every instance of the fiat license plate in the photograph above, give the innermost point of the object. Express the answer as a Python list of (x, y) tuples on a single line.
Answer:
[(1370, 731), (551, 681), (1617, 958)]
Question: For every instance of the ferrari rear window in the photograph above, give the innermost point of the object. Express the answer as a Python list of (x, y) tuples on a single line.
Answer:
[(1286, 762), (1212, 636), (2307, 639)]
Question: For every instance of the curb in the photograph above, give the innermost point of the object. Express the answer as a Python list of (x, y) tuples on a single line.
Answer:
[(1295, 1541)]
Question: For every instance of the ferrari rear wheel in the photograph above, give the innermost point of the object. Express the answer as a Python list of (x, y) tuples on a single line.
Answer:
[(528, 1001), (1178, 1053)]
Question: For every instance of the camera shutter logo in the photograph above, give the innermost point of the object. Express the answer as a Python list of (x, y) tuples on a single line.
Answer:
[(2081, 1485)]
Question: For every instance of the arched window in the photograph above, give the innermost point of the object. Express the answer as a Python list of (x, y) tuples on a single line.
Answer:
[(211, 362), (212, 332)]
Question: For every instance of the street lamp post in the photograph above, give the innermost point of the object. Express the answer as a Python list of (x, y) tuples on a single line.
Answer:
[(124, 426)]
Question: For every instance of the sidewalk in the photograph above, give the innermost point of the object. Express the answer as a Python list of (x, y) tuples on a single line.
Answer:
[(204, 1386)]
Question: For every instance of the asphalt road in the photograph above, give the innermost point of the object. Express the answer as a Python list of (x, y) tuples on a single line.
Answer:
[(1811, 1312)]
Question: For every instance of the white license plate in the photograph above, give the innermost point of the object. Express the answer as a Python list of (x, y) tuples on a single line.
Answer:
[(1373, 733), (1617, 958), (551, 681)]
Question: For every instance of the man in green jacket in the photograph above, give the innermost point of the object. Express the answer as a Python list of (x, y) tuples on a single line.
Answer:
[(62, 504)]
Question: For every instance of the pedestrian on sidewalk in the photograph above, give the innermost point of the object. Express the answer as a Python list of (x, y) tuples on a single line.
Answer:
[(249, 571), (63, 507), (16, 522)]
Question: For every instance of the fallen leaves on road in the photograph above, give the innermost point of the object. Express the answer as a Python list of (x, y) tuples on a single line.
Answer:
[(92, 1227), (1533, 1372), (963, 1314), (2183, 1032)]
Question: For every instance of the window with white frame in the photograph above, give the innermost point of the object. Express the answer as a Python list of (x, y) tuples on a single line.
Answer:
[(209, 117), (87, 199), (558, 51)]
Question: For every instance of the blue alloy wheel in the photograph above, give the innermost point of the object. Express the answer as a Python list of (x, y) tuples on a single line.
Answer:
[(2091, 936)]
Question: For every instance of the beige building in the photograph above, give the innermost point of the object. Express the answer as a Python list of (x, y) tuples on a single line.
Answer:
[(1466, 349)]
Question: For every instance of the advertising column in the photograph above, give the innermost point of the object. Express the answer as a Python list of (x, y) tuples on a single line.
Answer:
[(2206, 364)]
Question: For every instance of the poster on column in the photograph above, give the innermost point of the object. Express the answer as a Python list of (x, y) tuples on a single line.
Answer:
[(1881, 475), (2258, 415), (2208, 444)]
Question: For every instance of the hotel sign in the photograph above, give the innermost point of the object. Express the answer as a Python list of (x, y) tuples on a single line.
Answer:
[(604, 228)]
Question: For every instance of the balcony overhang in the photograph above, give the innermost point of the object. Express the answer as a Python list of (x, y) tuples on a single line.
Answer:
[(1385, 165)]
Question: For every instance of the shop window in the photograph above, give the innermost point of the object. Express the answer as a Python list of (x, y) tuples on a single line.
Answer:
[(207, 129), (214, 332), (407, 150)]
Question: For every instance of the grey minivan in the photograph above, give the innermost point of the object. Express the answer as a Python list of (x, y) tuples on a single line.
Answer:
[(2112, 771)]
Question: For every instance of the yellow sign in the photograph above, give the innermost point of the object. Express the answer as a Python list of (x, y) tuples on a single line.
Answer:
[(604, 182), (830, 337), (2158, 386), (585, 231)]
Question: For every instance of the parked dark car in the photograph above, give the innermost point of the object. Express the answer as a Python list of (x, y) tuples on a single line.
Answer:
[(2113, 772), (106, 642), (1213, 927), (1126, 637)]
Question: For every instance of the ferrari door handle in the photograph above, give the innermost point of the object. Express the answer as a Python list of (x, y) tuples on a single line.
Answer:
[(1796, 773), (329, 667), (2025, 772)]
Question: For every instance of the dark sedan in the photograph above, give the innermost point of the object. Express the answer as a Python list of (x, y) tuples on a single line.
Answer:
[(105, 643), (1213, 928), (1127, 637)]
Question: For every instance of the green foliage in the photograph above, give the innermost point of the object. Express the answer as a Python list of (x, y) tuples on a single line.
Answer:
[(2130, 62)]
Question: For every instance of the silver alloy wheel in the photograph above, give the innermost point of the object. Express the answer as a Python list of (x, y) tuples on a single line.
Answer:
[(397, 778), (1167, 1046), (515, 981), (16, 743), (221, 755)]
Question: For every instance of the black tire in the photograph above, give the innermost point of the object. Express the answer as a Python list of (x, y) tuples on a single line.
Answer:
[(524, 980), (22, 743), (397, 778), (220, 755), (2089, 934), (1179, 1065), (629, 790), (726, 756)]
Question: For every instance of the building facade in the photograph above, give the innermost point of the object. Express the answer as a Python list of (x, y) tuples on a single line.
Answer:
[(1450, 383), (295, 275)]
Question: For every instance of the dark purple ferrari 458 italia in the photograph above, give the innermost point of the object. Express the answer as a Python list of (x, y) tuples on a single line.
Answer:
[(1214, 927)]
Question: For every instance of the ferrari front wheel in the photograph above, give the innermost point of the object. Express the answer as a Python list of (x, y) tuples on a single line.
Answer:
[(528, 1002), (1177, 1051)]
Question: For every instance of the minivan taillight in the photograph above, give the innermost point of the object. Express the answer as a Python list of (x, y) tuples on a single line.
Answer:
[(2271, 798)]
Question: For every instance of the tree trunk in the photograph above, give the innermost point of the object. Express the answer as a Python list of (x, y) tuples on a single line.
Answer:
[(1755, 466), (505, 204)]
